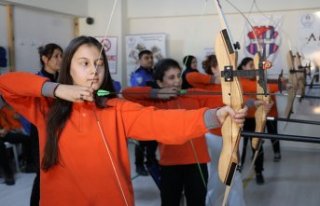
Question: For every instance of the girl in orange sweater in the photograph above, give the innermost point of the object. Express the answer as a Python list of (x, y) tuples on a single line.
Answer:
[(83, 144), (251, 86), (209, 81), (179, 163)]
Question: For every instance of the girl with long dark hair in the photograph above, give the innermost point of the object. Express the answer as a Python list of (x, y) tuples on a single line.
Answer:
[(83, 137), (247, 63)]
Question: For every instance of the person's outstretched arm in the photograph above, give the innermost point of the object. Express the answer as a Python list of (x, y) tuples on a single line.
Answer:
[(24, 92), (173, 126)]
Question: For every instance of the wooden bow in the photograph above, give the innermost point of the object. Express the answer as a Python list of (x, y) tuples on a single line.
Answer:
[(297, 79), (292, 90), (231, 96)]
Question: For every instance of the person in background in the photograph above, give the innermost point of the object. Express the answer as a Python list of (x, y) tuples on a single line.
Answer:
[(191, 65), (250, 125), (50, 59), (248, 64), (272, 125), (143, 76), (210, 80), (183, 167), (12, 132)]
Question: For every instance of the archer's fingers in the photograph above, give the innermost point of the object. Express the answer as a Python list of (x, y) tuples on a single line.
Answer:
[(86, 94), (229, 111), (242, 111)]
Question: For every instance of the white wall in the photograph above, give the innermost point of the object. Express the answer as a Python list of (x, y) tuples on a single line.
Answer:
[(165, 8), (34, 28), (71, 7), (100, 10)]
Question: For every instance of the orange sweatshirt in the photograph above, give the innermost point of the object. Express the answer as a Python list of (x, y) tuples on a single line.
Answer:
[(179, 154), (273, 88), (85, 175), (203, 81)]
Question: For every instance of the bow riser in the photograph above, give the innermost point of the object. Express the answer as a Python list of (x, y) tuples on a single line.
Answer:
[(260, 114)]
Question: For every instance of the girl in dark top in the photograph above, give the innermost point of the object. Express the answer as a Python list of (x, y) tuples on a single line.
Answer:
[(50, 59), (191, 66)]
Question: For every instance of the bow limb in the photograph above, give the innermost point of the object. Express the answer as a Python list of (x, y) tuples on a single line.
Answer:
[(229, 57), (231, 96)]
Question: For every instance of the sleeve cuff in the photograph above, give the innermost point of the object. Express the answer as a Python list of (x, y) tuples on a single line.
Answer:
[(211, 120), (48, 89), (250, 103)]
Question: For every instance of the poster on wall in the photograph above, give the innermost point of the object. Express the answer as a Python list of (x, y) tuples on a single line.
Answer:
[(111, 50), (265, 33), (309, 37), (156, 43)]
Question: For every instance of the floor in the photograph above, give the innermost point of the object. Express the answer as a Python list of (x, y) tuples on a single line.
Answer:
[(292, 181)]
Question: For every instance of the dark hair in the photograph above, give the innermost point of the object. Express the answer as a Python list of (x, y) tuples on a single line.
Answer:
[(60, 111), (162, 66), (47, 51), (210, 61), (144, 52), (187, 60), (244, 62)]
